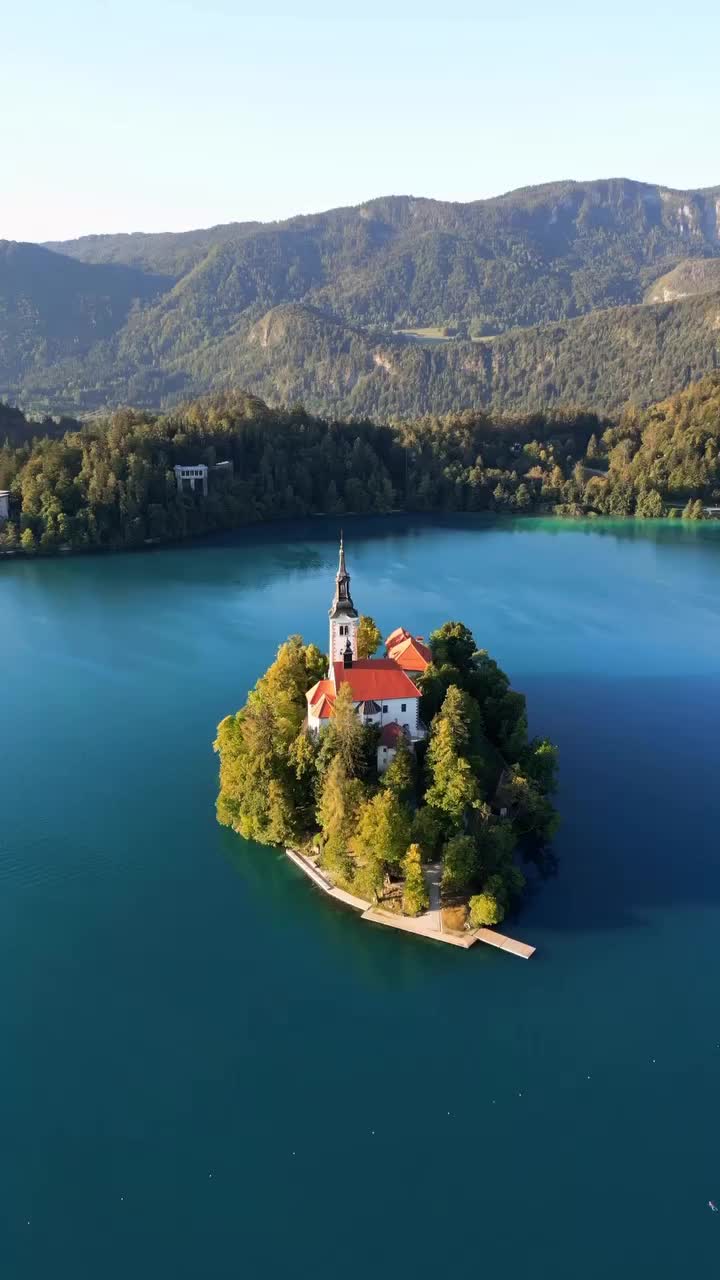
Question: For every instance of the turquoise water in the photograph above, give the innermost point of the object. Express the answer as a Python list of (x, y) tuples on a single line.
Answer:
[(209, 1071)]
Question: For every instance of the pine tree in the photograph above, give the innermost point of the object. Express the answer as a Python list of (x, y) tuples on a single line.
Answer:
[(415, 892), (454, 789), (399, 776)]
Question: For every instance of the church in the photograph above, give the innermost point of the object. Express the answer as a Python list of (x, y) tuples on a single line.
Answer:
[(383, 689)]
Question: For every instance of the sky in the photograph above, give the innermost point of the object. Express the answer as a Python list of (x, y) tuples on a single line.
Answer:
[(171, 114)]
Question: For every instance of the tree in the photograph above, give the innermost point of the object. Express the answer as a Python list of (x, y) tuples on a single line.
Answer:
[(400, 773), (340, 797), (415, 893), (539, 761), (534, 812), (346, 736), (368, 637), (427, 831), (485, 909), (460, 864), (379, 840), (650, 505), (452, 644), (454, 789), (27, 541)]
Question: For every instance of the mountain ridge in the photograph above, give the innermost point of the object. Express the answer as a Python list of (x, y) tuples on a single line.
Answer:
[(165, 315)]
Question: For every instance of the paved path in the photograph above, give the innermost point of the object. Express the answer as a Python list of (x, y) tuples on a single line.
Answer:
[(429, 925), (432, 919)]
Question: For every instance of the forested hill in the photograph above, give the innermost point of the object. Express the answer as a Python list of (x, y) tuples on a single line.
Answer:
[(111, 484), (153, 319)]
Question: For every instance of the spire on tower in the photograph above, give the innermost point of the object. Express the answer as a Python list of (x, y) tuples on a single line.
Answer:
[(342, 600)]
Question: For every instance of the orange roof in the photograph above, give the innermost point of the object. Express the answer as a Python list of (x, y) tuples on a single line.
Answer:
[(321, 699), (396, 636), (375, 678), (411, 654)]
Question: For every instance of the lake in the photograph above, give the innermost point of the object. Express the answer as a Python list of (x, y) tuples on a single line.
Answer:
[(209, 1070)]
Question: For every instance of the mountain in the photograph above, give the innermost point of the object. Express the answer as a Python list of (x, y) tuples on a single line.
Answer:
[(688, 278), (52, 306), (155, 318)]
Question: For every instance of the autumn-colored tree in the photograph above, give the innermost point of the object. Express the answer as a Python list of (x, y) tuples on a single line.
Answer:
[(380, 839), (415, 893), (369, 636)]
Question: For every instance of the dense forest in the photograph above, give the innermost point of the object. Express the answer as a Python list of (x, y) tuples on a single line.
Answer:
[(110, 483), (513, 282), (468, 796)]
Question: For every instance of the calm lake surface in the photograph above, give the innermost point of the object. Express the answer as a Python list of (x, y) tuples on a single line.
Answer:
[(208, 1071)]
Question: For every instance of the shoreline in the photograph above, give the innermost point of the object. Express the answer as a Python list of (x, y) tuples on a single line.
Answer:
[(407, 924), (219, 537)]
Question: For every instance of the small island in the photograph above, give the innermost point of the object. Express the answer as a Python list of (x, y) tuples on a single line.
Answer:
[(408, 780)]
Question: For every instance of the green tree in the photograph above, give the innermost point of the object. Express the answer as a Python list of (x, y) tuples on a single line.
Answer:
[(453, 789), (27, 541), (400, 773), (539, 761), (460, 864), (427, 831), (379, 840), (650, 505), (368, 637), (415, 893), (452, 645), (339, 799), (345, 736)]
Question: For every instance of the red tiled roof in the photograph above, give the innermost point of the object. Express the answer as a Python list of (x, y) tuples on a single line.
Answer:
[(411, 654), (391, 734), (375, 678), (321, 699)]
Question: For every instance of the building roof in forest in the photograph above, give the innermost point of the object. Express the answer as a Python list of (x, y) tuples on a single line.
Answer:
[(321, 699), (391, 734)]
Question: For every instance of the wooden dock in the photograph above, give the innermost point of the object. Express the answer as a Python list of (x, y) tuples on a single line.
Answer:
[(494, 939), (416, 925), (422, 926)]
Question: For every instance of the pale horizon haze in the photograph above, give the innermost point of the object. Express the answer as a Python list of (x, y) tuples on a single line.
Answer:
[(170, 115)]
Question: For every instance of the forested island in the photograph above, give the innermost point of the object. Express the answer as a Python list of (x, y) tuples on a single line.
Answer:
[(473, 794), (110, 484)]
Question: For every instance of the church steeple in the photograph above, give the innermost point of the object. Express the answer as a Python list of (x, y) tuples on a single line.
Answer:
[(342, 600), (343, 614)]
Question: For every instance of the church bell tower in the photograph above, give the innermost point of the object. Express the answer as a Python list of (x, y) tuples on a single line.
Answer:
[(344, 618)]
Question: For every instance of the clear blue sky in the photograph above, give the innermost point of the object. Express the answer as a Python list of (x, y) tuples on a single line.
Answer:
[(169, 114)]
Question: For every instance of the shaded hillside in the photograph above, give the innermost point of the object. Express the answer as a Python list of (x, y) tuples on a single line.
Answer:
[(52, 307), (296, 354), (639, 354)]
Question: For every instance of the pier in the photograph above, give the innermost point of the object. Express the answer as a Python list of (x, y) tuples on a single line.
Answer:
[(425, 926)]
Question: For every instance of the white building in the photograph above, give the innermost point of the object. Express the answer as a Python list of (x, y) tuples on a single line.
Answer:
[(190, 475), (384, 695), (4, 505)]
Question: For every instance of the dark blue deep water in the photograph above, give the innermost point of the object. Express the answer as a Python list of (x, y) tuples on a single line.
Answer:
[(209, 1071)]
